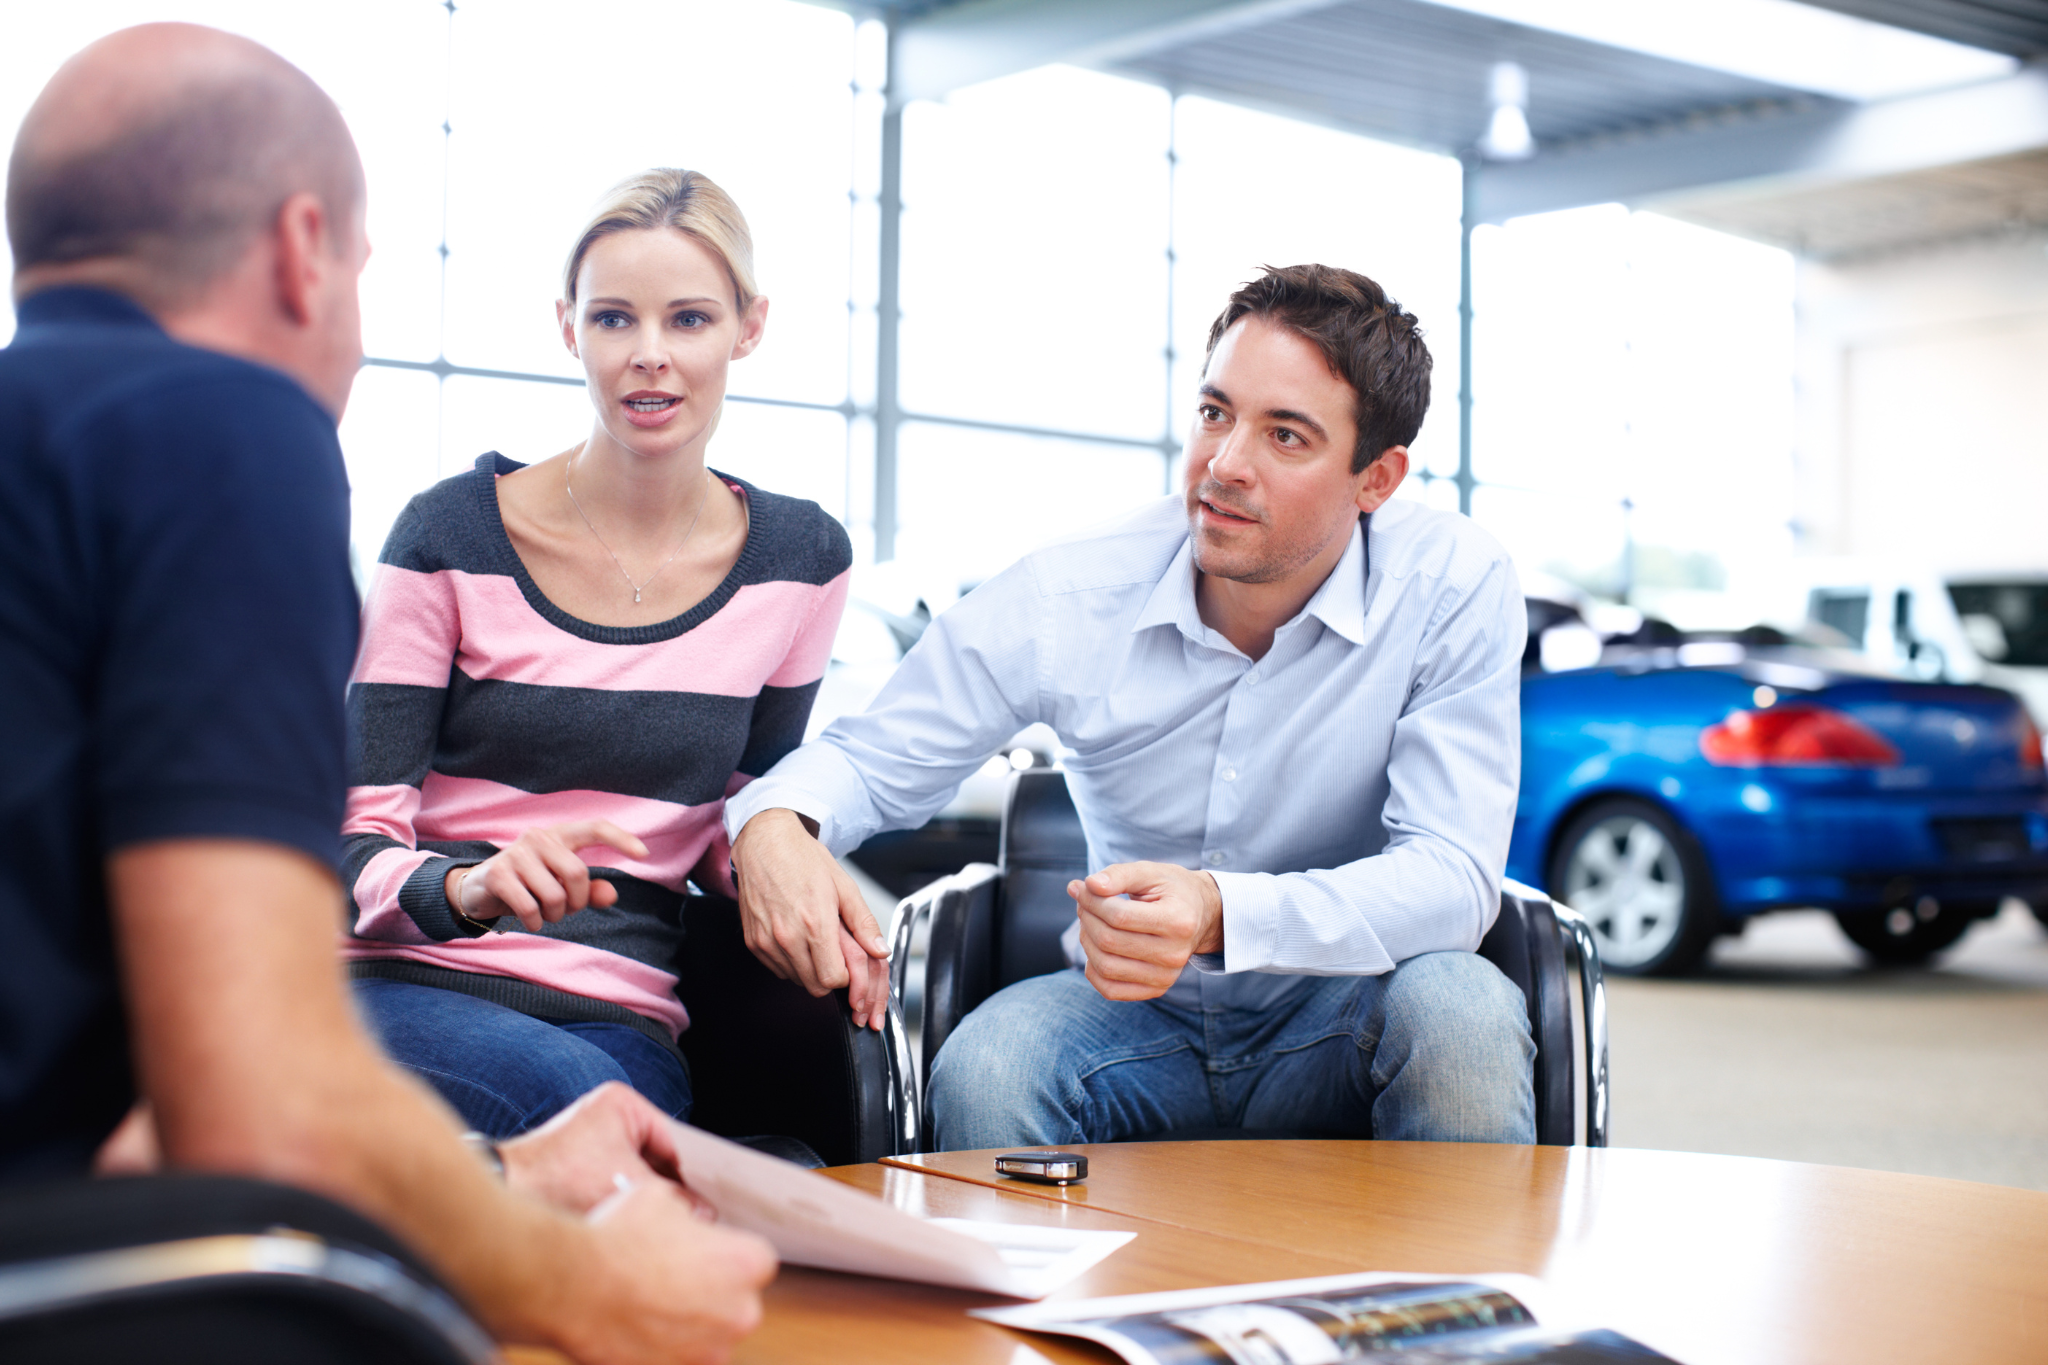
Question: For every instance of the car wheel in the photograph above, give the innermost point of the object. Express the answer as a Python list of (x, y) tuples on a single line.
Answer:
[(1912, 933), (1642, 884)]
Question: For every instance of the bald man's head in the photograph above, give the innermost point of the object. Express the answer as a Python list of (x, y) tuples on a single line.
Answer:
[(162, 151)]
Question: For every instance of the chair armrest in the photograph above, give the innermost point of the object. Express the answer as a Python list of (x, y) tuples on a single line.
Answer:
[(1547, 950), (1582, 960), (884, 1084), (954, 918)]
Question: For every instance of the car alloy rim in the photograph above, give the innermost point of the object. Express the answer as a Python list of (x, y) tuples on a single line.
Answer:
[(1624, 877)]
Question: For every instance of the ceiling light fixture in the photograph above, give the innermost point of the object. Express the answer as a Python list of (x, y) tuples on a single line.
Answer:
[(1507, 136)]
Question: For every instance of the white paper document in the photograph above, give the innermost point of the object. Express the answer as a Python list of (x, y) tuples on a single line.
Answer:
[(814, 1220)]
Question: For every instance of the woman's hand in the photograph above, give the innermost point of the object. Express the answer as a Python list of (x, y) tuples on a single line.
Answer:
[(540, 878)]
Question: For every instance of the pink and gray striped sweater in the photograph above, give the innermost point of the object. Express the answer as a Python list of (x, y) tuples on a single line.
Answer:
[(479, 709)]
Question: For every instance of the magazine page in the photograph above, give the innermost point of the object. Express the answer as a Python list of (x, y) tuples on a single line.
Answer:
[(814, 1220), (1412, 1319)]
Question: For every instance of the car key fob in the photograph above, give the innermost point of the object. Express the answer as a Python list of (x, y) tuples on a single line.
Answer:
[(1046, 1168)]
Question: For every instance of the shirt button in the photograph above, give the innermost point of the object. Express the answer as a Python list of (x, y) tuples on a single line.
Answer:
[(1251, 677), (1216, 858), (1230, 774)]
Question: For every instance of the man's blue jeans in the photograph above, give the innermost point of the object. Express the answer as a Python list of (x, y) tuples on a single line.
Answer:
[(504, 1071), (1436, 1050)]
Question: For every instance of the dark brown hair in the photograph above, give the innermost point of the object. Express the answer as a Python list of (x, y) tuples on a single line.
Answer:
[(1368, 341)]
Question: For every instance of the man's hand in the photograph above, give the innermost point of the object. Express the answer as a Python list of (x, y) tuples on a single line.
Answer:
[(131, 1149), (1141, 922), (570, 1160), (804, 917), (667, 1279), (655, 1283), (540, 878)]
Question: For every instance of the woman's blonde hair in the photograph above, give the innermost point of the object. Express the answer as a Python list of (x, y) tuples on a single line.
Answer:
[(687, 201)]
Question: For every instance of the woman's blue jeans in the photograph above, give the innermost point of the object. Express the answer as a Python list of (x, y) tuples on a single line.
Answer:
[(1436, 1050), (504, 1071)]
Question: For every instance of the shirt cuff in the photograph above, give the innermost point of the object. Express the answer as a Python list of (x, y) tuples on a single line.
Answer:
[(766, 795), (816, 781), (1251, 905)]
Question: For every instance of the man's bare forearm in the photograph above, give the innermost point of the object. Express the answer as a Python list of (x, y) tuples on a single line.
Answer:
[(251, 1057)]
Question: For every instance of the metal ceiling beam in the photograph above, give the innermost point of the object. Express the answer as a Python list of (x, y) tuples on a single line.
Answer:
[(944, 49), (2018, 28), (1822, 146)]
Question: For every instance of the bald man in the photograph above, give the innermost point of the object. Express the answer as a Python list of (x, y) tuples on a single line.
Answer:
[(177, 621)]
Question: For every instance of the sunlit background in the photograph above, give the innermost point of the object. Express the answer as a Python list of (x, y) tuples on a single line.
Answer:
[(1782, 361), (1067, 237)]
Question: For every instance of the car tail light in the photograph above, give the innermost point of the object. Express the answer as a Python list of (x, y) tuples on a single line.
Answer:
[(2030, 743), (1785, 735)]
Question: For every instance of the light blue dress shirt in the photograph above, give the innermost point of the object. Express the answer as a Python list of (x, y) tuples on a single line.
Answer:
[(1352, 792)]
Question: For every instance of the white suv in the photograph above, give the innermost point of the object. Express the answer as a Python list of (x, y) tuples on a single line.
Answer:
[(1963, 627)]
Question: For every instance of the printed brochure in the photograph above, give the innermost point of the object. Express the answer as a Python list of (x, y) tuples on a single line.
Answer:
[(1392, 1319)]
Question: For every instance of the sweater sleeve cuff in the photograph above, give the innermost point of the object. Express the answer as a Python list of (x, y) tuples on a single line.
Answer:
[(1251, 906), (424, 897)]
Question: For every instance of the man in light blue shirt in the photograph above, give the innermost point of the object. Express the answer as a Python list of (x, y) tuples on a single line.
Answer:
[(1290, 714)]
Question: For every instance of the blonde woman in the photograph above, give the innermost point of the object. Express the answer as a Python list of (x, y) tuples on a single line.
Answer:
[(566, 668)]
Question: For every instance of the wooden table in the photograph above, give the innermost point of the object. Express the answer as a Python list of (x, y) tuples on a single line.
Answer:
[(1712, 1260)]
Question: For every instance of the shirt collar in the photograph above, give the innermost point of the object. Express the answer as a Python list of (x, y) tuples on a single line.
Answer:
[(1339, 603), (81, 303), (1172, 602)]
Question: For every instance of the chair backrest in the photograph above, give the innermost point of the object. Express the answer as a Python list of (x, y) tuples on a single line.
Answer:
[(1008, 926), (200, 1268), (769, 1059), (1043, 848)]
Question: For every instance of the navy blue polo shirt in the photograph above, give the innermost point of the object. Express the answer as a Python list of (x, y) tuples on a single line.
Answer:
[(177, 622)]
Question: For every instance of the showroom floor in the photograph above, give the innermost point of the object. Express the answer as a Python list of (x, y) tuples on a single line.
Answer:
[(1788, 1047)]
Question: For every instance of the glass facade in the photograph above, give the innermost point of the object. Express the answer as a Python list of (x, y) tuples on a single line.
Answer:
[(1633, 425), (1067, 237)]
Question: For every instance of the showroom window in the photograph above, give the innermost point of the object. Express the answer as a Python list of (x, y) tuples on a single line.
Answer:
[(1067, 238)]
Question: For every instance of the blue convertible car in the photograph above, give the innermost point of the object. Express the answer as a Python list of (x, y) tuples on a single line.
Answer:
[(1685, 783)]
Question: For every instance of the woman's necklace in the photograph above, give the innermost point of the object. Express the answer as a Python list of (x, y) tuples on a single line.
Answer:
[(640, 587)]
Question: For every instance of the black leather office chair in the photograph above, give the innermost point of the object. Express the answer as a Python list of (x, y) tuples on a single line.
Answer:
[(988, 926), (769, 1060), (213, 1270)]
